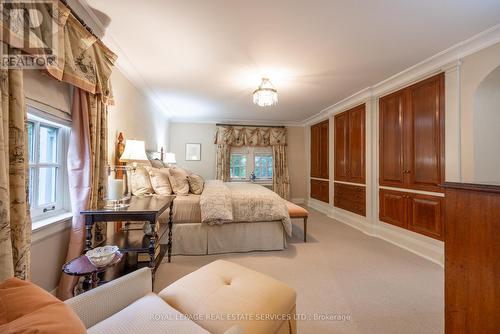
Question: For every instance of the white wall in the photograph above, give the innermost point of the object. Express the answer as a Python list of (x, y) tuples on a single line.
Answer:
[(203, 133), (136, 116), (487, 130)]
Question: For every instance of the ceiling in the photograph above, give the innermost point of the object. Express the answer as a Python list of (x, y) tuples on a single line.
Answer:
[(202, 59)]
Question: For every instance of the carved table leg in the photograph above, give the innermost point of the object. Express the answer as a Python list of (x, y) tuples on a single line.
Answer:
[(89, 222), (170, 222)]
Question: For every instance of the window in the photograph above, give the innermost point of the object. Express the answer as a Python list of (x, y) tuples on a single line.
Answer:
[(47, 146), (263, 166), (238, 166), (245, 160)]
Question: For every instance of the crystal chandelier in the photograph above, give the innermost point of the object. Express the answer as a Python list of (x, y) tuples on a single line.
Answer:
[(266, 95)]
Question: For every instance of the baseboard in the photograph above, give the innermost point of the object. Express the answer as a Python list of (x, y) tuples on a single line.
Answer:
[(319, 206), (298, 200), (428, 248)]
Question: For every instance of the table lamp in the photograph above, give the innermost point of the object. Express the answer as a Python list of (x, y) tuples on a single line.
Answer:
[(135, 152), (170, 158)]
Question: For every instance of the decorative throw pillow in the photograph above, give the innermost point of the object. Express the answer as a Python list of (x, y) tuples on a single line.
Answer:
[(141, 183), (160, 182), (196, 184), (157, 163), (27, 308), (179, 181)]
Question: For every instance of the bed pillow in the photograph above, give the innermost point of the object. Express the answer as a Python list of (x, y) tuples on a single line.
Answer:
[(196, 184), (160, 182), (179, 181), (141, 183)]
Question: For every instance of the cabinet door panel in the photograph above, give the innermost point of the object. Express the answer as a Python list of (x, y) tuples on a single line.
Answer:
[(341, 146), (426, 215), (356, 142), (324, 149), (315, 151), (350, 198), (320, 190), (393, 207), (391, 140), (425, 104)]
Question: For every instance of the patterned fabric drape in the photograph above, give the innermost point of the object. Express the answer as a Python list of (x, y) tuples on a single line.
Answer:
[(250, 136), (87, 164), (281, 180), (223, 162), (79, 58), (15, 219)]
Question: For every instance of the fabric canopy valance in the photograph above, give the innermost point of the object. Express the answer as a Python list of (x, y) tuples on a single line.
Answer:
[(250, 136), (79, 58)]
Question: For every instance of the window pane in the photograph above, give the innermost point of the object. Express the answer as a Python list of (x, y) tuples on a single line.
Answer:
[(238, 165), (48, 144), (47, 185), (31, 143), (264, 166)]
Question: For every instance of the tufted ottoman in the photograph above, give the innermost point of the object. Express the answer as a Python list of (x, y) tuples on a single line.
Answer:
[(223, 294)]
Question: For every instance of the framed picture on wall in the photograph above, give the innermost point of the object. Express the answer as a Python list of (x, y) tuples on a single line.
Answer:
[(193, 152)]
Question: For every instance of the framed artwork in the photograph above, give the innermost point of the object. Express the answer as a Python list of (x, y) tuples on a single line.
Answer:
[(193, 152)]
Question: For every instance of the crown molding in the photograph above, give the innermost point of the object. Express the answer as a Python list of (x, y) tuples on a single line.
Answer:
[(443, 61), (235, 122)]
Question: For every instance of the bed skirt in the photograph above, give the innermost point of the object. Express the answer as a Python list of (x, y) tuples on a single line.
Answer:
[(203, 239)]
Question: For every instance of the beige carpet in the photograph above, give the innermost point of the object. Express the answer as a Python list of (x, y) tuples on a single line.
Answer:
[(384, 288)]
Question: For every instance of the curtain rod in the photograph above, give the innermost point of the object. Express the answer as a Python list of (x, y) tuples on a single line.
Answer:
[(252, 126), (79, 19)]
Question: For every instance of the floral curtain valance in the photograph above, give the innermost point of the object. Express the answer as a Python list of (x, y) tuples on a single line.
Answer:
[(76, 56), (250, 136)]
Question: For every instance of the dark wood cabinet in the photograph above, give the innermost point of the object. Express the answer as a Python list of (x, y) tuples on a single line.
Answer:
[(426, 215), (411, 124), (341, 147), (349, 146), (393, 207), (391, 136), (319, 150), (472, 261), (320, 190), (350, 197), (419, 213)]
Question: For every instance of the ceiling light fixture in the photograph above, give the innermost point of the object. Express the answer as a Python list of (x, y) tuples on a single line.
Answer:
[(266, 95)]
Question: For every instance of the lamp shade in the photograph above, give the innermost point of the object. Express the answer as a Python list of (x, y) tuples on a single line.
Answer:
[(135, 151), (170, 158)]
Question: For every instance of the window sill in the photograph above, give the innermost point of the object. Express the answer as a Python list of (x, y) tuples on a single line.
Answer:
[(49, 226)]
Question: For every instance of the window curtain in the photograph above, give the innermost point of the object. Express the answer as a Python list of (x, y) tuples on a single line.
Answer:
[(281, 180), (87, 169), (223, 162), (227, 136), (15, 219)]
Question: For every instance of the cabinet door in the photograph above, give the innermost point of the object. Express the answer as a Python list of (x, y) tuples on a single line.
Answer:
[(315, 151), (426, 215), (341, 146), (320, 190), (425, 163), (391, 145), (394, 207), (356, 155), (324, 149)]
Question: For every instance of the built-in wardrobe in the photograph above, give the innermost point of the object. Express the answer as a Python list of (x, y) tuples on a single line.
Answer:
[(320, 183), (349, 160), (411, 157)]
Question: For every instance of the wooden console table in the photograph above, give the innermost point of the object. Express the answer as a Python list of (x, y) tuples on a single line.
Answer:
[(146, 209)]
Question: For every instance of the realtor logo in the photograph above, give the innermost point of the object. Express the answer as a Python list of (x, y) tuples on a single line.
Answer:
[(30, 29)]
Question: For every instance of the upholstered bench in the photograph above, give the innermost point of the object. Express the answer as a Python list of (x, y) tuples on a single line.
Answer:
[(296, 211), (223, 294)]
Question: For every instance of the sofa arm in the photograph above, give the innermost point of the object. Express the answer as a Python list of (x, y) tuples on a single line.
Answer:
[(102, 302)]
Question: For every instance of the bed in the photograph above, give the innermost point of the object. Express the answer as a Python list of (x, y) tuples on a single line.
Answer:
[(259, 222)]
